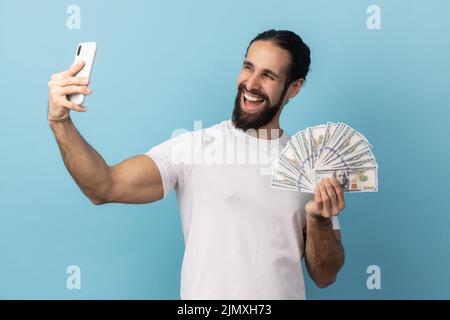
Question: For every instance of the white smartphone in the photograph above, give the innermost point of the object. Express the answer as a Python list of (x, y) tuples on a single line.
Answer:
[(85, 52)]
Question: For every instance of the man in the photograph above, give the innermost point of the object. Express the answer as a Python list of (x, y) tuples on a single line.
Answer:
[(244, 239)]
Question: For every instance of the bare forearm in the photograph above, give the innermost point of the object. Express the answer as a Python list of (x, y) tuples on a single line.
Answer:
[(324, 252), (86, 166)]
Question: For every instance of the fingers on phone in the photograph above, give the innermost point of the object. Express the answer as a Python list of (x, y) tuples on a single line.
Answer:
[(69, 82), (72, 89), (73, 106), (73, 70), (74, 81)]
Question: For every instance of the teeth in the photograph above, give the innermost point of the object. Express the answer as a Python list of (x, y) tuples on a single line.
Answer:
[(251, 98)]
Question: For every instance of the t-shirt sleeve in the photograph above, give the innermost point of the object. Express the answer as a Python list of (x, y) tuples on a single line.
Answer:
[(174, 159)]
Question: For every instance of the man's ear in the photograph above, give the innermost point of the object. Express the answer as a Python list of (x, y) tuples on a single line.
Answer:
[(294, 88)]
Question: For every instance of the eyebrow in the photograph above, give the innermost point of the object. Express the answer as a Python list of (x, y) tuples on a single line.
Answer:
[(248, 63)]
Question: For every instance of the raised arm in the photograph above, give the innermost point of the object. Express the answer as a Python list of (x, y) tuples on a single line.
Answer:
[(324, 253), (135, 180)]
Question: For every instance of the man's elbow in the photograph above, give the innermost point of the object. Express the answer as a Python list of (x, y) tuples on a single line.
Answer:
[(99, 197), (98, 200), (325, 282), (326, 277)]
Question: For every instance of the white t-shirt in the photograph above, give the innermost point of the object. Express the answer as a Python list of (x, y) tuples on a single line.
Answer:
[(243, 238)]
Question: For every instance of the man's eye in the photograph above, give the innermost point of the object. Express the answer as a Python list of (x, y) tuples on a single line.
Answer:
[(268, 76)]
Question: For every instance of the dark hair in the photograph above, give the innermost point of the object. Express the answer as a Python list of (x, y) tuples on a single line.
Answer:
[(298, 50)]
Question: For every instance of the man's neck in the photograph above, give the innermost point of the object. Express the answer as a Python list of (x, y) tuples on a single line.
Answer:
[(270, 131)]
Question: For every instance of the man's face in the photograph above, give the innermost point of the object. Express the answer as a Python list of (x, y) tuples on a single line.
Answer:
[(261, 85), (341, 177)]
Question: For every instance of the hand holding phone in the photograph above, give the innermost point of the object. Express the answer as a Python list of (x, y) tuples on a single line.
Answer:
[(86, 53), (67, 89)]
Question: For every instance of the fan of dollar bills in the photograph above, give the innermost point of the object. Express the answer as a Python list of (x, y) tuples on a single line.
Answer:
[(325, 151)]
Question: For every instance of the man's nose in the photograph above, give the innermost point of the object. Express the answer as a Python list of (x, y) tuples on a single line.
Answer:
[(253, 83)]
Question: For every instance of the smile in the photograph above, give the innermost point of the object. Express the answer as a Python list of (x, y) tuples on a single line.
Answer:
[(250, 102)]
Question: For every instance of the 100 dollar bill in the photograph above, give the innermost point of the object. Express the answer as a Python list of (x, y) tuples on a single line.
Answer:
[(363, 179)]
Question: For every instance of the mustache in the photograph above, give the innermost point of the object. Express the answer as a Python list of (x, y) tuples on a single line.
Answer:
[(242, 87)]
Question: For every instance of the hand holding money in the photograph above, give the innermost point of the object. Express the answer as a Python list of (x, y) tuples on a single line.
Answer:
[(334, 150), (328, 199)]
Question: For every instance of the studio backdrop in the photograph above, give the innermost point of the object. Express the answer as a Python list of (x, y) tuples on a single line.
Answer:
[(161, 66)]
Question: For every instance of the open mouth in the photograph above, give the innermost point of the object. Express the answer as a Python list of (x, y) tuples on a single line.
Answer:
[(251, 102)]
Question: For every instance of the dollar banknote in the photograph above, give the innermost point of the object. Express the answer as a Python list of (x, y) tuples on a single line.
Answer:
[(328, 150)]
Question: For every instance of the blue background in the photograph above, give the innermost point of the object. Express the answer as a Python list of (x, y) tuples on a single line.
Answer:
[(163, 64)]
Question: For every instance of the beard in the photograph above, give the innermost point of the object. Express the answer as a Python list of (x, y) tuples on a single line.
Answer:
[(244, 120)]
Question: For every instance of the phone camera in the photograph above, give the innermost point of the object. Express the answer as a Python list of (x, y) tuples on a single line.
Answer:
[(79, 50)]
